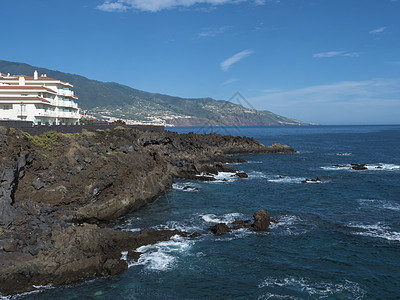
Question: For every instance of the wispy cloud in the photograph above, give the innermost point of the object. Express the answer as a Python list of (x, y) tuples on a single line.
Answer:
[(341, 102), (226, 64), (336, 53), (113, 7), (377, 30), (158, 5), (211, 32), (229, 81)]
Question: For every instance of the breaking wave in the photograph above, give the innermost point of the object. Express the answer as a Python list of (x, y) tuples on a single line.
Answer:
[(298, 288), (163, 255), (377, 230)]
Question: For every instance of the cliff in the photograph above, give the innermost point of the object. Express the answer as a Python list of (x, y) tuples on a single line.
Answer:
[(58, 191)]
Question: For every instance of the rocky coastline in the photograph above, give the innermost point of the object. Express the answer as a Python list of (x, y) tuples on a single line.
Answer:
[(58, 193)]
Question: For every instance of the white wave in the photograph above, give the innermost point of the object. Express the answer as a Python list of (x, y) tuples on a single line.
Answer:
[(377, 230), (228, 176), (286, 179), (344, 154), (370, 167), (257, 174), (267, 296), (384, 167), (163, 255), (287, 225), (124, 255), (312, 288), (227, 218), (220, 177), (185, 226), (134, 230), (186, 187), (39, 289), (380, 204), (254, 162)]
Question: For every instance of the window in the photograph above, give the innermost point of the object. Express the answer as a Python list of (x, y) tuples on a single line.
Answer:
[(7, 106), (24, 95)]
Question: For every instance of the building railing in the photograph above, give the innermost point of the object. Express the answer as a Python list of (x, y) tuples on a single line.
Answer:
[(22, 113)]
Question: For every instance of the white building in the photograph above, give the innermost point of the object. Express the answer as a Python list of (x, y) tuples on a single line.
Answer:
[(41, 100)]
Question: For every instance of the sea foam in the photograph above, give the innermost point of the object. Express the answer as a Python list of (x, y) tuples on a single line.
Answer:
[(377, 230), (162, 256), (279, 288)]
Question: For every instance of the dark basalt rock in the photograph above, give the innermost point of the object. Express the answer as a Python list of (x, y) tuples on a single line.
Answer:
[(359, 167), (261, 220), (219, 229), (241, 175)]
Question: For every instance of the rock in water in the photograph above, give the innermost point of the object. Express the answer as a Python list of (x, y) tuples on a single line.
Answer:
[(241, 175), (220, 228), (261, 220)]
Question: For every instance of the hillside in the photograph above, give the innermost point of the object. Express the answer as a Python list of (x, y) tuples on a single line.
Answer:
[(110, 99)]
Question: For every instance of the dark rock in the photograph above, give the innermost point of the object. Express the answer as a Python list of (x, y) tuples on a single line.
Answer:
[(261, 220), (359, 167), (194, 235), (115, 266), (133, 255), (37, 184), (10, 247), (219, 229), (206, 178), (7, 212), (241, 175)]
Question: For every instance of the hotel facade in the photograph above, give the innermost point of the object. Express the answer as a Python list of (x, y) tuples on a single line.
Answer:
[(38, 99)]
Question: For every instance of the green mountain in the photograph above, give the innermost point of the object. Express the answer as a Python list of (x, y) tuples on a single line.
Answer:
[(110, 99)]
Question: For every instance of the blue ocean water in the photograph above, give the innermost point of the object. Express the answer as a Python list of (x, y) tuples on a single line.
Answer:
[(336, 239)]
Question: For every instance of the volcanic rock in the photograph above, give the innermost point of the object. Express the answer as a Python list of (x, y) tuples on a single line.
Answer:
[(261, 220), (219, 229)]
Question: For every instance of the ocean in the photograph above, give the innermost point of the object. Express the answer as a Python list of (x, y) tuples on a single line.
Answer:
[(338, 238)]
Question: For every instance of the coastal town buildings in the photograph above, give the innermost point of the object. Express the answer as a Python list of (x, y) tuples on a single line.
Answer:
[(39, 99)]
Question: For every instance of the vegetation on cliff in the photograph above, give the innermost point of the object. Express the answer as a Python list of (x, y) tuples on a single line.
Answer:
[(111, 99)]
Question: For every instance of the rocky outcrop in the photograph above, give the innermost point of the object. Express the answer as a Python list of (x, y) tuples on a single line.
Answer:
[(55, 188), (78, 253), (261, 222)]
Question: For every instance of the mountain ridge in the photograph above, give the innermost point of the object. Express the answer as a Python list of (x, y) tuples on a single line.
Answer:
[(112, 100)]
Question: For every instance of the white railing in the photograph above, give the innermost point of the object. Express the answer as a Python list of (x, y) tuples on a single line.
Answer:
[(65, 93), (22, 113), (43, 113), (67, 104)]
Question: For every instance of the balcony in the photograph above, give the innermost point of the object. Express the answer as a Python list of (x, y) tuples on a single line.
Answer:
[(69, 115), (67, 104), (22, 113), (67, 93), (43, 113)]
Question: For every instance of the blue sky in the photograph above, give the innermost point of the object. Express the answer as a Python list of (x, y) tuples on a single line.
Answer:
[(321, 61)]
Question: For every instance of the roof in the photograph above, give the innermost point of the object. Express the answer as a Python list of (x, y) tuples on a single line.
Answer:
[(30, 78), (26, 87), (22, 99)]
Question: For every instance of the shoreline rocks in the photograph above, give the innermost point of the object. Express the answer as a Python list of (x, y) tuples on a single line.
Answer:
[(59, 192)]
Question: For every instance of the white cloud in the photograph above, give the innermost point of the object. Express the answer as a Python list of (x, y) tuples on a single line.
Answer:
[(211, 32), (226, 64), (229, 81), (378, 30), (336, 53), (158, 5), (347, 102), (112, 7)]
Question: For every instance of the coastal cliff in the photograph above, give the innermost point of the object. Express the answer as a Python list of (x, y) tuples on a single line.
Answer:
[(59, 191)]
